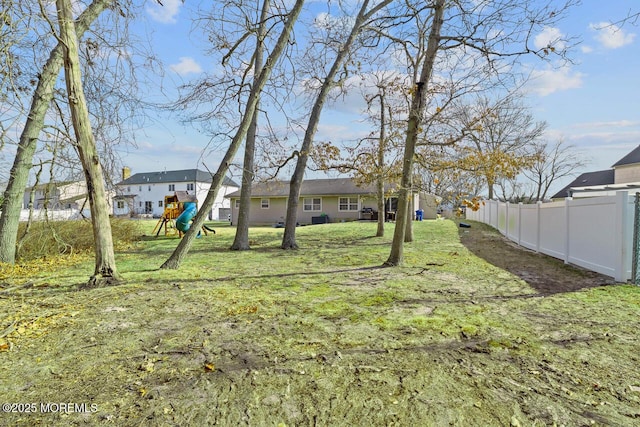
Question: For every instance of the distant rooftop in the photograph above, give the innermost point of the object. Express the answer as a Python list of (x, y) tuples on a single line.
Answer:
[(603, 177), (184, 175), (629, 159), (310, 187)]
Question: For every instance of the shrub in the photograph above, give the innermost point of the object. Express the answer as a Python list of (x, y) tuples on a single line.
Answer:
[(54, 238)]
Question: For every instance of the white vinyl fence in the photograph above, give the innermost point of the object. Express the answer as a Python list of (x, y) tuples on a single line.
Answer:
[(595, 233), (53, 215)]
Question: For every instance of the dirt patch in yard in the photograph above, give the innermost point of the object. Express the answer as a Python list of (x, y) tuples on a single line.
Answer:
[(545, 274)]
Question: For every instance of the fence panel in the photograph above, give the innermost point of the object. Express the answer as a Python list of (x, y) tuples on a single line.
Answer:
[(529, 226), (513, 222), (52, 215), (552, 229), (595, 233)]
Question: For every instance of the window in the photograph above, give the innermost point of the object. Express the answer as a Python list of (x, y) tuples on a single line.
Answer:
[(139, 204), (190, 186), (348, 204), (128, 189), (148, 207), (139, 187), (312, 204), (237, 203), (120, 204), (264, 203), (159, 203), (172, 187), (149, 188)]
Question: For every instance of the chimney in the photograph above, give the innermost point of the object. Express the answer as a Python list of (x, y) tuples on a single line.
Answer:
[(126, 172)]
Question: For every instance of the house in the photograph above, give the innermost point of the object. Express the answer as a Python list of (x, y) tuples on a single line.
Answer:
[(144, 193), (57, 196), (623, 175), (321, 200)]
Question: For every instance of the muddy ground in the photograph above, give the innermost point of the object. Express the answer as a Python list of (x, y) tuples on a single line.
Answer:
[(546, 275), (432, 344)]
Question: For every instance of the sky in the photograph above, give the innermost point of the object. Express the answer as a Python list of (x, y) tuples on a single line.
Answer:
[(591, 103)]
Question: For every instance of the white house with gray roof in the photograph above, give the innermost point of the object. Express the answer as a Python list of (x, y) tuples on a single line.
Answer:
[(623, 175), (143, 193)]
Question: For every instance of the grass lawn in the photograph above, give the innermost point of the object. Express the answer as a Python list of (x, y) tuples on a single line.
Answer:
[(319, 336)]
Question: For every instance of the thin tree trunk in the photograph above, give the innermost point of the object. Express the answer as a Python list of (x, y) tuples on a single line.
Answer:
[(291, 220), (416, 113), (22, 163), (174, 261), (381, 213), (408, 230), (105, 264), (241, 239)]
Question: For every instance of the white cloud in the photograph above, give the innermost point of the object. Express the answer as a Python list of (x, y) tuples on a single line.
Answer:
[(612, 124), (586, 49), (186, 66), (610, 36), (546, 82), (550, 36), (165, 13)]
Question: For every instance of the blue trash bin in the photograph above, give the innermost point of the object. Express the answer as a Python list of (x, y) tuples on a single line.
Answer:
[(419, 214)]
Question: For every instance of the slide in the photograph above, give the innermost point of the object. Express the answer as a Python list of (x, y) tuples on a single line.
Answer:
[(183, 222)]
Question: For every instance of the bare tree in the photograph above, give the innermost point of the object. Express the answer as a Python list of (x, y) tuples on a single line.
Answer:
[(552, 162), (27, 145), (416, 112), (485, 33), (241, 239), (181, 250), (328, 82), (105, 271)]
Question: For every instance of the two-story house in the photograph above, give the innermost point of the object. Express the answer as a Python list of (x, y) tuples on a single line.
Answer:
[(143, 193), (623, 175), (57, 196)]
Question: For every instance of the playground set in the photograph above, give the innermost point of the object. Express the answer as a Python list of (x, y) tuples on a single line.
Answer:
[(179, 210)]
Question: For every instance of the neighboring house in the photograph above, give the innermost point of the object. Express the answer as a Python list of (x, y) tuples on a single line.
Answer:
[(623, 175), (144, 193), (321, 200), (57, 196)]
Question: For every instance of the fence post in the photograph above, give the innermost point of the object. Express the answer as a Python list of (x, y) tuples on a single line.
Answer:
[(538, 205), (620, 268), (635, 250), (506, 219), (519, 223), (567, 237)]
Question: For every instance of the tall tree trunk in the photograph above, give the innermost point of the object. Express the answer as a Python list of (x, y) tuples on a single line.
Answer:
[(22, 163), (241, 240), (105, 263), (289, 237), (416, 114), (382, 142), (181, 250)]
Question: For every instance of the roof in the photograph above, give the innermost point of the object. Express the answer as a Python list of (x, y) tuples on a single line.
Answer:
[(310, 187), (603, 177), (53, 185), (184, 175), (629, 159)]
